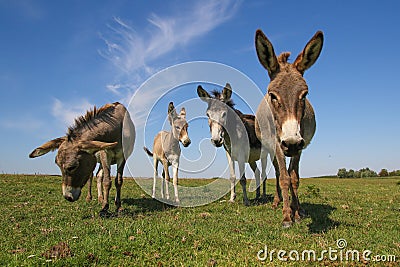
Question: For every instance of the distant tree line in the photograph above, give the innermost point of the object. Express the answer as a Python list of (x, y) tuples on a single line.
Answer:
[(365, 172)]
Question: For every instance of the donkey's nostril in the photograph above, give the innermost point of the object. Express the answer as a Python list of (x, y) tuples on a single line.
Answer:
[(284, 144), (302, 144), (217, 143), (69, 198), (187, 143)]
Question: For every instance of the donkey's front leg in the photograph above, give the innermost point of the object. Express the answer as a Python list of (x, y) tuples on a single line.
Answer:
[(106, 180), (295, 181), (278, 192), (284, 182), (243, 182), (175, 167), (155, 174), (89, 195), (165, 180), (232, 176)]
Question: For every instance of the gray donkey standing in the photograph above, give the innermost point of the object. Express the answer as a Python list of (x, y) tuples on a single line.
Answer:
[(236, 132)]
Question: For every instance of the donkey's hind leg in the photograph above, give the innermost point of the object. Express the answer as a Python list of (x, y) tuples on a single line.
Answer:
[(253, 166), (99, 177), (231, 164), (243, 183), (263, 157)]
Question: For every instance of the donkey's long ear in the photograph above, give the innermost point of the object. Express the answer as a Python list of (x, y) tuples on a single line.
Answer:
[(227, 92), (203, 94), (47, 147), (172, 115), (94, 146), (182, 114), (266, 54), (310, 53)]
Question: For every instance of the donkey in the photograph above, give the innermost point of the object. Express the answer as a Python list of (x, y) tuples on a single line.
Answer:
[(105, 135), (166, 150), (294, 116), (235, 131)]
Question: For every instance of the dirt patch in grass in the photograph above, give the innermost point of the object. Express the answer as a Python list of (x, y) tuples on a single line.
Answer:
[(59, 251)]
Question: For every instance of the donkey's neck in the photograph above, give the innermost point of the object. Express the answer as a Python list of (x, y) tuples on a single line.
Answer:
[(234, 133), (172, 142)]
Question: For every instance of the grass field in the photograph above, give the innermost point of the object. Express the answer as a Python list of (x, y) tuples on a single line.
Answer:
[(38, 227)]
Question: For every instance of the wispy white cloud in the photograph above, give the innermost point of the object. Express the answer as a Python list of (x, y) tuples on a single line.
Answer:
[(67, 112), (114, 88), (137, 54)]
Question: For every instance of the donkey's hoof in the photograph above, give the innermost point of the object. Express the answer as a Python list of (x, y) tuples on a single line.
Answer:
[(104, 213), (88, 198), (231, 201), (286, 224), (246, 202), (303, 213)]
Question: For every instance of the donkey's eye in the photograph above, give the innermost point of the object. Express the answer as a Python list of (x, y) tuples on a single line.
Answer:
[(303, 95), (273, 97), (274, 100), (72, 168)]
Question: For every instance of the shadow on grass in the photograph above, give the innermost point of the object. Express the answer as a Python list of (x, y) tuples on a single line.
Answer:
[(131, 208), (145, 205), (269, 198), (319, 214)]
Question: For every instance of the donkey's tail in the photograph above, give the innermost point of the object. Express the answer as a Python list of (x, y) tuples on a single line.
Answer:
[(148, 151)]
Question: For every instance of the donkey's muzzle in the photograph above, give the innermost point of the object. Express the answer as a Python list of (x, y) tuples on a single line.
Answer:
[(217, 143), (292, 147), (71, 193), (186, 143)]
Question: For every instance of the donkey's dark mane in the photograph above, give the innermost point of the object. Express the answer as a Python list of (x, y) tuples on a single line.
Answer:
[(91, 119), (217, 94)]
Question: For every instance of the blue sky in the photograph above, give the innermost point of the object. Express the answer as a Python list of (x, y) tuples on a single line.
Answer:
[(59, 58)]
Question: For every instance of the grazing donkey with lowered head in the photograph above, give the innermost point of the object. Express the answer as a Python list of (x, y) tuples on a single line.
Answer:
[(294, 116), (105, 135), (166, 150), (235, 131)]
